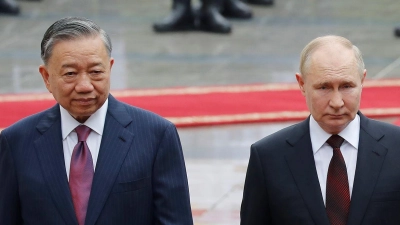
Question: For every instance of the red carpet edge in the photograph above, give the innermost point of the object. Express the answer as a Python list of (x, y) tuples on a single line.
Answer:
[(199, 106)]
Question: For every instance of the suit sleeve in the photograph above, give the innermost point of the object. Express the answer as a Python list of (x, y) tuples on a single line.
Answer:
[(255, 208), (10, 213), (171, 191)]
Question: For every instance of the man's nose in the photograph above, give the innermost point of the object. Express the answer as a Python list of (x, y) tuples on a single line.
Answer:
[(336, 100), (84, 84)]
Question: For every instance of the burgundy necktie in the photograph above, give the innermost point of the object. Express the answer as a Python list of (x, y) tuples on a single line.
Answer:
[(337, 185), (81, 174)]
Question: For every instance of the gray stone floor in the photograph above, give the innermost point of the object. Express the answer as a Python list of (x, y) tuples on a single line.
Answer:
[(264, 49)]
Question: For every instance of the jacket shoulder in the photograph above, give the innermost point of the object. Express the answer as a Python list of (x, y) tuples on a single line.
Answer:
[(142, 119), (26, 125), (380, 130), (282, 138)]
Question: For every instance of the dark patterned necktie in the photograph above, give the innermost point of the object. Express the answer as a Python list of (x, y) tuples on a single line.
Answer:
[(81, 174), (337, 185)]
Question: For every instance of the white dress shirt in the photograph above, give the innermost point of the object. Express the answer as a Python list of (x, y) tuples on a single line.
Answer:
[(323, 152), (70, 138)]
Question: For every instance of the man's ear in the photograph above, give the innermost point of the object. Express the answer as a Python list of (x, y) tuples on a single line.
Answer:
[(45, 75), (300, 81), (363, 76), (111, 62)]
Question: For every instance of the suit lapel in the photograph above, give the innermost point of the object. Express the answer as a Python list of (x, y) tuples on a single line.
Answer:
[(302, 165), (115, 144), (370, 159), (49, 150)]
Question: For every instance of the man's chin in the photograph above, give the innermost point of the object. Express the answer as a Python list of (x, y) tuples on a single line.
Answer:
[(336, 126), (83, 116)]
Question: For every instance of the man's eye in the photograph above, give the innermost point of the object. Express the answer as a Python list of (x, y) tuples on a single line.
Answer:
[(96, 72), (69, 73)]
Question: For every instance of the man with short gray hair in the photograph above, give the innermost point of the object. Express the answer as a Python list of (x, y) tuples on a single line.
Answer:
[(90, 159)]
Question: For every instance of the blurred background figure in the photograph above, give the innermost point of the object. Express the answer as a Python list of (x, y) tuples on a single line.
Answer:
[(397, 31), (9, 7), (209, 17), (260, 2)]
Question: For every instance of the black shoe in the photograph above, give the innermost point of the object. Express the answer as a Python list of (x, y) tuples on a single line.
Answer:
[(261, 2), (397, 32), (9, 7), (212, 21), (236, 9), (181, 19)]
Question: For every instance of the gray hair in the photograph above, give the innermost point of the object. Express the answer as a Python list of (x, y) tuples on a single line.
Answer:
[(320, 41), (71, 28)]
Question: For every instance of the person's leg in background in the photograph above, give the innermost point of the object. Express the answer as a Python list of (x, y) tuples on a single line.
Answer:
[(236, 9), (397, 31), (180, 19), (9, 7), (210, 18), (260, 2)]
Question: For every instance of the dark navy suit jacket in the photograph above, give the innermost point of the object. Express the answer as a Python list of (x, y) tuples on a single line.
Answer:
[(282, 186), (140, 175)]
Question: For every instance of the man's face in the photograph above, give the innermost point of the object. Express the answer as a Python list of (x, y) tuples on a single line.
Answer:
[(332, 87), (78, 75)]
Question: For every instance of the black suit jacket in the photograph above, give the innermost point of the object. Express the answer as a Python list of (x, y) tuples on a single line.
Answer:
[(140, 175), (282, 185)]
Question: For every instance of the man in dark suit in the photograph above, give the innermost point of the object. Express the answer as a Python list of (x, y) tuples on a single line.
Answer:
[(299, 176), (90, 159)]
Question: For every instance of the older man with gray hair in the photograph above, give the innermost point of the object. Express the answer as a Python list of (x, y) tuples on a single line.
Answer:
[(90, 159)]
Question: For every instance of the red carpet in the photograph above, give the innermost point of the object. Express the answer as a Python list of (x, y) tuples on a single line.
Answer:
[(195, 106)]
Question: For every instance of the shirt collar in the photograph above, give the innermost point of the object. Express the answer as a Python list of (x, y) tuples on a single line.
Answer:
[(319, 137), (95, 121)]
